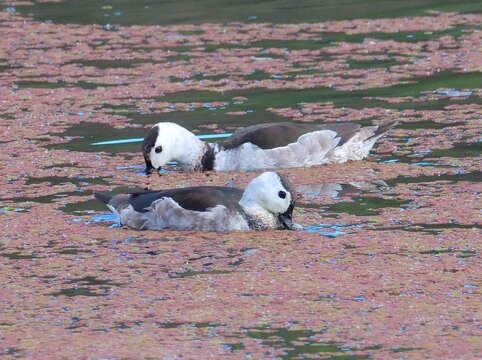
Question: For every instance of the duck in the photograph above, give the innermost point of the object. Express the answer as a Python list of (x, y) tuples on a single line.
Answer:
[(267, 146), (266, 203)]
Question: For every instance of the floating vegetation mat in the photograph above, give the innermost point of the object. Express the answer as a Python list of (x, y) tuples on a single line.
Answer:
[(388, 263)]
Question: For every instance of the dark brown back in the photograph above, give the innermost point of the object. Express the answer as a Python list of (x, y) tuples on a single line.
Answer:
[(273, 135)]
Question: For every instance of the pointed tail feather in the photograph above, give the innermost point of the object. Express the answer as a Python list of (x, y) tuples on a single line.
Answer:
[(103, 197), (383, 128)]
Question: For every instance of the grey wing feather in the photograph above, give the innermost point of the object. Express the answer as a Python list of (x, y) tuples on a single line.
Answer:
[(273, 135), (199, 198)]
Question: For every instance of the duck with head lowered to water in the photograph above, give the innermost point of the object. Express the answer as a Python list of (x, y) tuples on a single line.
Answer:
[(266, 203), (262, 146)]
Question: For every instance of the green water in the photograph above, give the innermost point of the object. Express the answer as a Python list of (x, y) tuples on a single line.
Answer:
[(87, 286), (58, 84), (89, 133), (365, 206), (57, 180), (111, 64), (329, 38), (260, 98), (475, 176), (257, 102), (195, 119), (459, 150), (297, 343), (94, 204), (18, 256), (92, 280), (162, 12), (77, 291)]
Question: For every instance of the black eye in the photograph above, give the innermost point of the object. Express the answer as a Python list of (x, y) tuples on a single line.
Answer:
[(282, 194), (158, 149)]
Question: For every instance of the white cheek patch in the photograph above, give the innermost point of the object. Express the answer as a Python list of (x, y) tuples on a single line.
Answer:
[(283, 204), (270, 192), (158, 159)]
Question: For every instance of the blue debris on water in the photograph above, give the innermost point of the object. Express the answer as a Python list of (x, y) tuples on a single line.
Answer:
[(106, 217), (424, 163), (214, 136), (110, 27), (421, 153), (209, 106), (453, 93), (332, 262), (120, 141), (17, 210), (130, 167), (134, 140), (140, 169), (281, 76), (327, 229)]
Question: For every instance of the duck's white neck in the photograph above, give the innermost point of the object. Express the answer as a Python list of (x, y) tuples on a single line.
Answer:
[(186, 149), (189, 151)]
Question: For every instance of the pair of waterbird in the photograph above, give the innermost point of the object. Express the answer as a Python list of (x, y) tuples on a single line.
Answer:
[(268, 200)]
